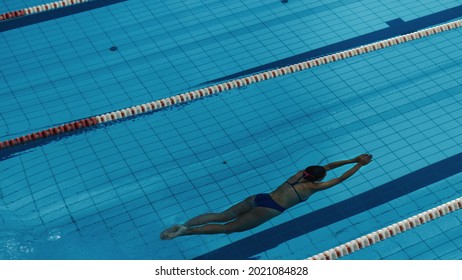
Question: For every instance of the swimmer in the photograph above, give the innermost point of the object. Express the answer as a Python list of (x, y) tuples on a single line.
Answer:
[(260, 208)]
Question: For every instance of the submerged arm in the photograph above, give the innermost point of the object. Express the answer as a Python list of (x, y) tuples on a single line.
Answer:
[(340, 163), (363, 160), (337, 164)]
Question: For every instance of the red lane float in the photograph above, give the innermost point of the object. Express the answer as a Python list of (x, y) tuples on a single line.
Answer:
[(389, 231), (68, 127), (40, 8)]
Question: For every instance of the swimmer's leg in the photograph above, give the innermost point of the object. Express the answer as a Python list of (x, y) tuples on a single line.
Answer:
[(225, 216), (248, 220), (197, 225)]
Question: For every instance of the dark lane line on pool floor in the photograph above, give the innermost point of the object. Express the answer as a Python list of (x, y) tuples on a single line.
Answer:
[(54, 14), (396, 27), (270, 238)]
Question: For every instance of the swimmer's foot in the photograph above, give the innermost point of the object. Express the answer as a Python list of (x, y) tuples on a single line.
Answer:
[(172, 232)]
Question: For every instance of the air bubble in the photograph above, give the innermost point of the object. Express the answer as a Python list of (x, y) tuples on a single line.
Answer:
[(54, 235)]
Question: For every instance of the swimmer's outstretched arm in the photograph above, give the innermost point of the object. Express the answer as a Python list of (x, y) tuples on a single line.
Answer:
[(337, 164), (362, 160)]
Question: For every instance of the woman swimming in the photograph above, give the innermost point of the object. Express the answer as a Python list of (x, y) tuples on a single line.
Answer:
[(260, 208)]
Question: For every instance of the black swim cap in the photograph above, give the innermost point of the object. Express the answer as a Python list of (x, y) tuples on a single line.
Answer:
[(314, 173)]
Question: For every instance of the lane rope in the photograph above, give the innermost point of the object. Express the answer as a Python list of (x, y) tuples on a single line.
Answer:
[(389, 231), (233, 84), (40, 8)]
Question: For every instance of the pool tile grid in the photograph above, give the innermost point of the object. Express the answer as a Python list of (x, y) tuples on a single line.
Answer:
[(118, 7), (91, 121)]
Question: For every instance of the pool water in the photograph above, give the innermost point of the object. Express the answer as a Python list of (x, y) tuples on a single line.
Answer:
[(108, 192)]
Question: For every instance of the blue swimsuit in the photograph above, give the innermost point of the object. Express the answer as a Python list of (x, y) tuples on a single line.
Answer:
[(265, 200)]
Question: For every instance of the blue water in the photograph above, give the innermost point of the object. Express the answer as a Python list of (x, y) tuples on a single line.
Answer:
[(107, 192)]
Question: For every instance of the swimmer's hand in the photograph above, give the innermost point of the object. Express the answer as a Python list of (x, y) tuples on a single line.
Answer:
[(364, 159), (358, 158)]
